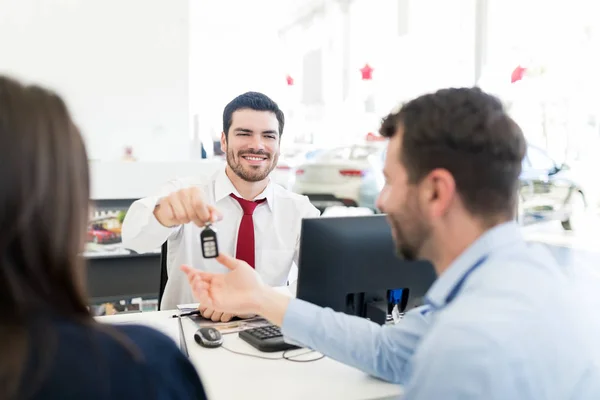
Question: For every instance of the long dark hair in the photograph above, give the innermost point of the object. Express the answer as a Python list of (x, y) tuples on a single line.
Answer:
[(44, 210)]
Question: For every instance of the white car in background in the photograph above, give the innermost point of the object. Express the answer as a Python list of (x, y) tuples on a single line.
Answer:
[(334, 177), (283, 174)]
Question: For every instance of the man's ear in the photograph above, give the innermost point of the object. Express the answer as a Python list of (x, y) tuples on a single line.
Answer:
[(440, 189), (223, 142)]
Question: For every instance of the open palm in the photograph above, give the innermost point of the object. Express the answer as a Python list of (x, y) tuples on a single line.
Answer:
[(235, 292)]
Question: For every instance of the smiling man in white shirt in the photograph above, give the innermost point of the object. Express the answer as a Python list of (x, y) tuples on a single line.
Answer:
[(255, 219)]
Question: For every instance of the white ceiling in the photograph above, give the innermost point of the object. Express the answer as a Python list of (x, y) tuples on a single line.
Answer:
[(254, 14)]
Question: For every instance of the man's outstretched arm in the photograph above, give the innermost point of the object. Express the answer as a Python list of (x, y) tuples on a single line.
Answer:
[(381, 351)]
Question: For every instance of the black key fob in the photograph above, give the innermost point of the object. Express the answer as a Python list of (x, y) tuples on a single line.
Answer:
[(208, 241)]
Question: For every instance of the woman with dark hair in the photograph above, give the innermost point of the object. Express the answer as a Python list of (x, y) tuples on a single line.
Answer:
[(50, 345)]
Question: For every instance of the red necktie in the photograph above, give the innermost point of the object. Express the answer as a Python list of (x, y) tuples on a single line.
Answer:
[(245, 240)]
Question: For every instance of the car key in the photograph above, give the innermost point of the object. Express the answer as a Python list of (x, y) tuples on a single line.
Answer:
[(208, 240)]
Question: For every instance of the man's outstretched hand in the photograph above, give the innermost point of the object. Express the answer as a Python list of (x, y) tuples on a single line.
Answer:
[(240, 291), (236, 292)]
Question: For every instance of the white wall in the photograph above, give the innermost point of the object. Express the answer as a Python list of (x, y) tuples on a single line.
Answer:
[(415, 46), (122, 66), (436, 50), (234, 49), (134, 180)]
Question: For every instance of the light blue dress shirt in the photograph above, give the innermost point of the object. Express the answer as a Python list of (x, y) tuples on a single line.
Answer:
[(504, 321)]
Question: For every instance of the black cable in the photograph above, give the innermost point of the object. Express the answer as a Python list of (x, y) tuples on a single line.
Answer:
[(291, 358), (284, 356), (250, 355)]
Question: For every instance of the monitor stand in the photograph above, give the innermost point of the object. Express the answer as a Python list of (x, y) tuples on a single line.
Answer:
[(377, 311)]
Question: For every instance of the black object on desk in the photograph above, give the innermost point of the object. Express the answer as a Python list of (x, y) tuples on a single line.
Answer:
[(267, 339), (186, 314), (208, 337), (350, 264)]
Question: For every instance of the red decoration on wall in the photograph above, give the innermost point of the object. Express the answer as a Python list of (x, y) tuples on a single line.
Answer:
[(366, 72), (289, 80), (517, 74), (371, 137)]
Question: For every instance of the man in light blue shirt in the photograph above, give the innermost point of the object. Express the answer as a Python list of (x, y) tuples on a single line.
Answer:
[(502, 321)]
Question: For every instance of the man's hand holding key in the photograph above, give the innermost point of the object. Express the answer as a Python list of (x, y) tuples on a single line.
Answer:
[(185, 206)]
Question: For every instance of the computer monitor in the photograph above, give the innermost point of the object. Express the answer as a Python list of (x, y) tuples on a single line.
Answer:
[(350, 264)]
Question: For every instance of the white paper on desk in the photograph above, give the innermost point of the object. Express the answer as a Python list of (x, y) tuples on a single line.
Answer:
[(188, 307), (232, 326)]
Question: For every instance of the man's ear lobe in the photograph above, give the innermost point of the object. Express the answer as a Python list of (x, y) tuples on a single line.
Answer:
[(224, 139)]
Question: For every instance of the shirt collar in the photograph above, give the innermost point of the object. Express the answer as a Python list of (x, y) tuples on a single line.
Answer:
[(491, 241), (224, 187)]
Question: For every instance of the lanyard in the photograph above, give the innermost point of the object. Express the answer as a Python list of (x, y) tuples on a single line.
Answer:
[(454, 292)]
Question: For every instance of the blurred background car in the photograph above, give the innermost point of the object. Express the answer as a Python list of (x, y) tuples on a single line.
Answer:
[(289, 159), (372, 182), (334, 177), (549, 192)]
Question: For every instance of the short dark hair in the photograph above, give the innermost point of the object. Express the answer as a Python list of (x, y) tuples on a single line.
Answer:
[(252, 101), (468, 133)]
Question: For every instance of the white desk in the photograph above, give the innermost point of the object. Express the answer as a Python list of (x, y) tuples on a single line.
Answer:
[(226, 375)]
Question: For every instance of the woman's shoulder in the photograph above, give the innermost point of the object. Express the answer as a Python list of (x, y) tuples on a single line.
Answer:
[(137, 343), (161, 359), (147, 339), (136, 360)]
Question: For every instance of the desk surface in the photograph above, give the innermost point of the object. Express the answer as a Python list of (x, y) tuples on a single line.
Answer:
[(226, 375)]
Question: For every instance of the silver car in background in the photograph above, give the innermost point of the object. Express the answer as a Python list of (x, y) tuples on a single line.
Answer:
[(372, 183), (334, 177), (548, 191)]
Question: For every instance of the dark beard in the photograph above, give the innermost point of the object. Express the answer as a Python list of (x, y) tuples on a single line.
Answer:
[(405, 253), (405, 249), (256, 175)]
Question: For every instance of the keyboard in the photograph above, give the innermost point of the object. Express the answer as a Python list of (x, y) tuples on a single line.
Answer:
[(267, 339)]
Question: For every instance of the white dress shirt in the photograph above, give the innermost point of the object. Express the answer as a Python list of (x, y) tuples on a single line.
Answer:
[(277, 224)]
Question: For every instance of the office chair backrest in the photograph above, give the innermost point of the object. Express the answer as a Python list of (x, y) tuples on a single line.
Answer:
[(163, 272)]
